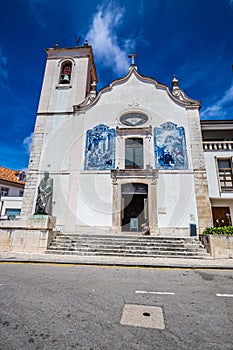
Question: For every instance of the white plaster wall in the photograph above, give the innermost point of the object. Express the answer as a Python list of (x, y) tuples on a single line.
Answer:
[(176, 200), (94, 199), (13, 191), (60, 195), (58, 139)]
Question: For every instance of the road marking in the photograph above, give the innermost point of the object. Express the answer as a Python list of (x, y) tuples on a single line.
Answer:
[(150, 292), (225, 295)]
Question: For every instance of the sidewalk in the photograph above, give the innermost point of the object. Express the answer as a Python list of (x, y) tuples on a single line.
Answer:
[(207, 263)]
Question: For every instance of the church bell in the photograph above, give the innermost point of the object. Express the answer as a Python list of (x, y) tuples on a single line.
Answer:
[(66, 79)]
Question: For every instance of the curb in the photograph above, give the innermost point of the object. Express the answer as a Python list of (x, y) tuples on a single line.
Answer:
[(116, 264)]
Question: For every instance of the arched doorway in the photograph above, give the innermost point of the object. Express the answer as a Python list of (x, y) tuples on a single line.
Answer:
[(134, 205)]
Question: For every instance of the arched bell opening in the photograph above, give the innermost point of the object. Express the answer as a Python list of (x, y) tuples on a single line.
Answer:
[(65, 76)]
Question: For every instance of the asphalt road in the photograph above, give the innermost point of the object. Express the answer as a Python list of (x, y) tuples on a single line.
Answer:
[(80, 307)]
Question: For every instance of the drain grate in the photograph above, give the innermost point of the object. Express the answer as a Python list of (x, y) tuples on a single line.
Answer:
[(143, 316)]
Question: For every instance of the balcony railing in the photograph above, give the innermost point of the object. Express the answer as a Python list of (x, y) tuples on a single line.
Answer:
[(218, 145)]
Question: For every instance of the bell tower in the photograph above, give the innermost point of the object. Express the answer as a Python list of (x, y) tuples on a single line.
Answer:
[(69, 74), (69, 77)]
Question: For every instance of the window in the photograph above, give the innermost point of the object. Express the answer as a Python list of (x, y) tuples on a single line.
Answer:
[(22, 176), (225, 174), (134, 153), (4, 191), (21, 193), (65, 75), (12, 213)]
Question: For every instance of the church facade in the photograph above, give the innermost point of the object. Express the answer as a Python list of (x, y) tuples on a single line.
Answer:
[(133, 153)]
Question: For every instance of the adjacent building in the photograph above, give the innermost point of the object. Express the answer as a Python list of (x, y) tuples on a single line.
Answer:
[(12, 187), (218, 152)]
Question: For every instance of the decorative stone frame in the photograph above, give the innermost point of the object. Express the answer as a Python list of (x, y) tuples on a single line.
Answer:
[(145, 176), (141, 132)]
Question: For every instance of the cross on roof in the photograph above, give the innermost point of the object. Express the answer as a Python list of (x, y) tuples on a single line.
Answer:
[(133, 56)]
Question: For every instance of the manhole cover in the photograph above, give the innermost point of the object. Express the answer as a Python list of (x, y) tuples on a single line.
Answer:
[(143, 316)]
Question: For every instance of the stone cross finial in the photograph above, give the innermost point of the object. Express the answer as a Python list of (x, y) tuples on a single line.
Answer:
[(133, 56)]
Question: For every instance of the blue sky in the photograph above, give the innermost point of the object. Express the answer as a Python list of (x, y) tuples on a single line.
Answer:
[(190, 38)]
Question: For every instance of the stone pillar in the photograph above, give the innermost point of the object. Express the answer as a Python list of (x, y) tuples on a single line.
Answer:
[(147, 152), (33, 169), (152, 207), (116, 206), (120, 152), (199, 168)]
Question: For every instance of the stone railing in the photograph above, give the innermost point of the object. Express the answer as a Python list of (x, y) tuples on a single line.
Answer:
[(218, 145)]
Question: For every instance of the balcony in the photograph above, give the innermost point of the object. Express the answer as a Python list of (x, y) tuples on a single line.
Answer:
[(209, 146)]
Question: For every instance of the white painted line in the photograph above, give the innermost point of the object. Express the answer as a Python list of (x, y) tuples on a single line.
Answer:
[(225, 295), (148, 292)]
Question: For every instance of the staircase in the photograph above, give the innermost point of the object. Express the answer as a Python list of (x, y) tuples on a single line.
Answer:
[(127, 246)]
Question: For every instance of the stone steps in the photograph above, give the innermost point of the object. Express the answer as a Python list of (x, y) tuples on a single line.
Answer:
[(148, 247), (127, 245)]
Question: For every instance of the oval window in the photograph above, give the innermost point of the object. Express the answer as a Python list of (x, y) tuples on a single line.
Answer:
[(134, 119)]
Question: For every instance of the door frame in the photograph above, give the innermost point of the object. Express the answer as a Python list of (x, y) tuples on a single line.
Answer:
[(132, 195), (120, 177)]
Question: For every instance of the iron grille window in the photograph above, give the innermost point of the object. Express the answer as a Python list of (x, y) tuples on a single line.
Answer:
[(225, 174), (4, 191)]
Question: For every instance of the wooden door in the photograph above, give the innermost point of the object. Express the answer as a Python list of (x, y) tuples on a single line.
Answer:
[(221, 216)]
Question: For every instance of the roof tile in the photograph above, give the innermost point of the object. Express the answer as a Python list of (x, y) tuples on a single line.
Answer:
[(10, 175)]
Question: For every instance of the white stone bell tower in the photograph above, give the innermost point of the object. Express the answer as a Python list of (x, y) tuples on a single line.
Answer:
[(69, 78)]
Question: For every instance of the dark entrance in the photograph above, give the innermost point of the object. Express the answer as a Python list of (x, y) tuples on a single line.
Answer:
[(134, 206), (221, 216)]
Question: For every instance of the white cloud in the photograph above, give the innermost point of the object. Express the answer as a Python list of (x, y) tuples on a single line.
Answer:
[(36, 6), (3, 67), (221, 107), (103, 36), (27, 142)]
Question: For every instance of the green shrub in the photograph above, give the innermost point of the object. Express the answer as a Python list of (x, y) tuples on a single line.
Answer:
[(225, 230)]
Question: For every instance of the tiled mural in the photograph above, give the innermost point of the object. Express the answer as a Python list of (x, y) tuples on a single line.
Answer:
[(170, 147), (100, 148)]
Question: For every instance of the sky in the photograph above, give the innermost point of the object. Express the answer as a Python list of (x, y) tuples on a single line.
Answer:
[(192, 39)]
